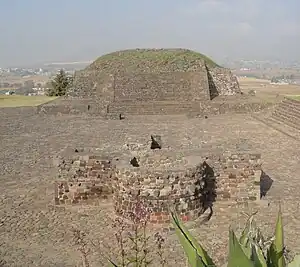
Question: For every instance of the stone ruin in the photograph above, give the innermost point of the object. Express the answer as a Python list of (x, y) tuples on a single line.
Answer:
[(162, 180), (130, 83), (84, 180)]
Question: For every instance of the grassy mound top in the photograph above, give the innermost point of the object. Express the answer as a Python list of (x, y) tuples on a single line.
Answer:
[(151, 60)]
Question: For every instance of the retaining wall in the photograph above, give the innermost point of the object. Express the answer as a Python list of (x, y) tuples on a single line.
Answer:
[(180, 86)]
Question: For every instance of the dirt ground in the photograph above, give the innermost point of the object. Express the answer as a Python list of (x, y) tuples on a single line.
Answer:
[(18, 79), (34, 233)]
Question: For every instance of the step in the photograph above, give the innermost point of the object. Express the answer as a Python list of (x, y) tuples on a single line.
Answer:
[(288, 113), (54, 109), (292, 101), (288, 106), (286, 120), (152, 108), (287, 123), (280, 126)]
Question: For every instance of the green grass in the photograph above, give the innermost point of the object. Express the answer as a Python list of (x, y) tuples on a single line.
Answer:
[(150, 59), (23, 101), (294, 97), (7, 89)]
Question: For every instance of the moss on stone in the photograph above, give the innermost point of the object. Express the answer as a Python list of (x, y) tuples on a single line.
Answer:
[(150, 59)]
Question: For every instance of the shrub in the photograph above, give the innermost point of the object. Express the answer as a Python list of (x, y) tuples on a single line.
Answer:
[(251, 250)]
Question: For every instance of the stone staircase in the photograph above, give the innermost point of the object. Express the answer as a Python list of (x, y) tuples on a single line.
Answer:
[(152, 108), (288, 113)]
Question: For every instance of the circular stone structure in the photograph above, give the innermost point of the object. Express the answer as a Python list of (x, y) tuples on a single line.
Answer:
[(161, 183)]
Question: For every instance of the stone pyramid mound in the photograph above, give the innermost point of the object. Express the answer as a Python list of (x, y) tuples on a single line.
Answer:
[(151, 82)]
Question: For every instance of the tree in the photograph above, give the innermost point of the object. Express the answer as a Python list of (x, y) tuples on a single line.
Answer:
[(60, 84)]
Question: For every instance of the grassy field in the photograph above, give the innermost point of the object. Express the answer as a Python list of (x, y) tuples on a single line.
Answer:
[(18, 79), (23, 101), (295, 97), (267, 91), (7, 89)]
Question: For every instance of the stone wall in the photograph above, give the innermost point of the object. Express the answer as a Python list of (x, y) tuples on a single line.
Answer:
[(190, 108), (238, 176), (191, 84), (196, 82), (222, 82), (161, 85), (180, 86), (162, 180), (94, 84), (231, 176), (84, 180)]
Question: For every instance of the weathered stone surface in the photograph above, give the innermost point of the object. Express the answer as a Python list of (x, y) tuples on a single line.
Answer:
[(223, 82), (36, 233), (85, 180)]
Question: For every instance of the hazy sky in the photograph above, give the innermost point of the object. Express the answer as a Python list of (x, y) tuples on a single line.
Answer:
[(34, 31)]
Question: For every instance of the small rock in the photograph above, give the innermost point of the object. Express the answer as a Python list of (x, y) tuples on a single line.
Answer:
[(134, 162), (252, 93), (156, 142)]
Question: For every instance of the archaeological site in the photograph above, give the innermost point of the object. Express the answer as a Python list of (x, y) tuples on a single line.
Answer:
[(168, 128)]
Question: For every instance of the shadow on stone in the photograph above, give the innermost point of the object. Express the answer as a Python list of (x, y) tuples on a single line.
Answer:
[(155, 142), (213, 92), (121, 117), (134, 162), (207, 189), (265, 184)]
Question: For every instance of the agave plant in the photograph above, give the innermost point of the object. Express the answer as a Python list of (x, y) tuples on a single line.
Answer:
[(250, 250)]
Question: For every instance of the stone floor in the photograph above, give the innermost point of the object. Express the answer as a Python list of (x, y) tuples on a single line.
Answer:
[(33, 233)]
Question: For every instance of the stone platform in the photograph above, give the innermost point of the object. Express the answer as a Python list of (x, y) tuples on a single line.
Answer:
[(35, 232), (112, 110)]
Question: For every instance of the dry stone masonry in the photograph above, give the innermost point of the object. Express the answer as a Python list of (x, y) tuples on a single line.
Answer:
[(161, 180), (153, 82), (163, 81), (84, 180)]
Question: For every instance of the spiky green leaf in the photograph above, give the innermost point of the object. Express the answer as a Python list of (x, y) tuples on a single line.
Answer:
[(245, 234), (276, 252), (237, 257), (258, 257), (195, 252)]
